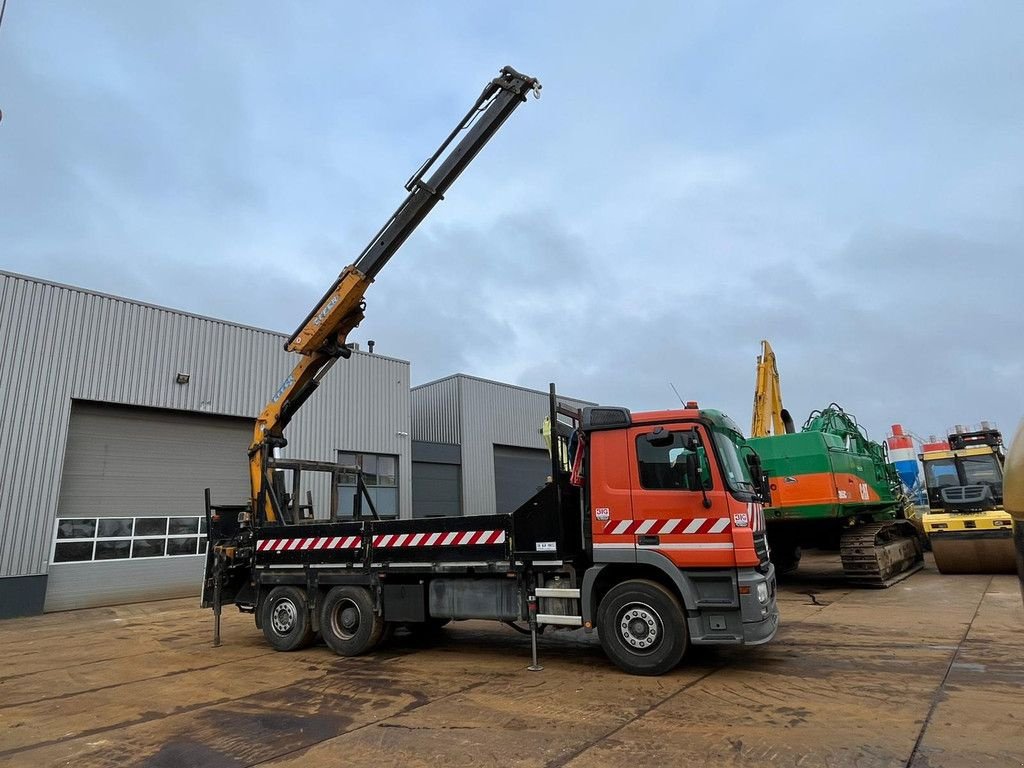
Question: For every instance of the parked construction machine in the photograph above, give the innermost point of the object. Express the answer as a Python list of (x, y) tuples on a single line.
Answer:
[(1013, 497), (966, 524), (830, 487), (652, 533)]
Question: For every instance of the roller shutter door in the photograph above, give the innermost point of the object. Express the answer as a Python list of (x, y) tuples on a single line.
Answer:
[(129, 522), (435, 490), (518, 474)]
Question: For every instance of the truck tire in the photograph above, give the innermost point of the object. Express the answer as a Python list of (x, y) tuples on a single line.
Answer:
[(348, 623), (642, 628), (284, 616)]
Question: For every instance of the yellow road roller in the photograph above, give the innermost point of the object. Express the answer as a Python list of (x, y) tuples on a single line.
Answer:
[(967, 525)]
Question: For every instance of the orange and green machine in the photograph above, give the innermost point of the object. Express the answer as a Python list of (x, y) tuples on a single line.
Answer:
[(831, 487)]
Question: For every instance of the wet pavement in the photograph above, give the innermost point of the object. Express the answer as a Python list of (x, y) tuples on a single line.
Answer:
[(927, 673)]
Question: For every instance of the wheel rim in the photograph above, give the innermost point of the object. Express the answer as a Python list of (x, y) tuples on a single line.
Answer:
[(345, 619), (640, 628), (284, 616)]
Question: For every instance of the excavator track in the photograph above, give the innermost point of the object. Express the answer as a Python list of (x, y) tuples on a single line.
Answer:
[(881, 554)]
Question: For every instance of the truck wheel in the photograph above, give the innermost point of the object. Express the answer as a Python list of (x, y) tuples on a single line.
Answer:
[(348, 623), (642, 628), (285, 619)]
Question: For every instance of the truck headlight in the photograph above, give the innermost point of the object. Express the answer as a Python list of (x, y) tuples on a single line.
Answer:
[(762, 593)]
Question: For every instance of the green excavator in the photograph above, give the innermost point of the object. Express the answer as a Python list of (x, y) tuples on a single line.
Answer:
[(831, 488)]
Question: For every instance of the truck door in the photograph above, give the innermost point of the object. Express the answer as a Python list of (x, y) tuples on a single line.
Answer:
[(679, 510)]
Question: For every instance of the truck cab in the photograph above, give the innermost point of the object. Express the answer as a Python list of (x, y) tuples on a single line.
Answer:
[(677, 493)]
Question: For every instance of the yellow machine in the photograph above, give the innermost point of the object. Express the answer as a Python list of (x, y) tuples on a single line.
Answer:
[(966, 523), (769, 418), (1013, 497)]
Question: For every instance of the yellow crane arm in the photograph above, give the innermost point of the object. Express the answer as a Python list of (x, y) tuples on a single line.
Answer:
[(321, 339), (769, 417)]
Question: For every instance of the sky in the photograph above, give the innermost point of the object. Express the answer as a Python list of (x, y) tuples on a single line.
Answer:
[(845, 180)]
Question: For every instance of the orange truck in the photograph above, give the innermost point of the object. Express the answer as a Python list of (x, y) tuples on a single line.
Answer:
[(650, 530)]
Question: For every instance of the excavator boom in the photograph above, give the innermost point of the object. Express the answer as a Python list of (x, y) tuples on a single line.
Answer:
[(769, 417), (321, 338)]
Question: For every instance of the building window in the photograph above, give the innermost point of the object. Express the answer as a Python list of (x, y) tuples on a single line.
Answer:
[(380, 473), (80, 540)]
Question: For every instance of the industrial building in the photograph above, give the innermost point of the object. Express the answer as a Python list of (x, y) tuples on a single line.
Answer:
[(117, 414), (478, 446)]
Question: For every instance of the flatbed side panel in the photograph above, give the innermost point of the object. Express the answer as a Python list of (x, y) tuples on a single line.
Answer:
[(441, 539), (342, 543), (542, 532)]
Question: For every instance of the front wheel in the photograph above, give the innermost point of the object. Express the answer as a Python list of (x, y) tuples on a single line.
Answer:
[(642, 628), (348, 623), (284, 617)]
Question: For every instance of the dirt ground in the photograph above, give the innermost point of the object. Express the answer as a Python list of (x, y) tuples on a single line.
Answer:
[(927, 673)]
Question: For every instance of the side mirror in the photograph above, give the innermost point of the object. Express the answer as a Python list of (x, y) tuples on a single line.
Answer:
[(759, 477), (692, 472), (754, 465)]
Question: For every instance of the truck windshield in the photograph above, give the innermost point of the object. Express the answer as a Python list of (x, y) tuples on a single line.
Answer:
[(737, 474)]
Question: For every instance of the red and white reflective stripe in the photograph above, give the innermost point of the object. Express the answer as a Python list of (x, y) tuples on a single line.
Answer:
[(691, 526), (437, 539), (313, 542), (384, 540), (757, 521)]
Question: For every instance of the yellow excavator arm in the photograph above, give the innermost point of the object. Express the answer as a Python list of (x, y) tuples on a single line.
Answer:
[(321, 339), (769, 417)]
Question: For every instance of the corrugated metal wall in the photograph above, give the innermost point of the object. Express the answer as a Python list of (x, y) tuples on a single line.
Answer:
[(435, 411), (73, 585), (480, 414), (62, 343)]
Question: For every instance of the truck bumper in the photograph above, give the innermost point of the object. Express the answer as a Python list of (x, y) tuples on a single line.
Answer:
[(750, 623), (760, 619), (757, 632)]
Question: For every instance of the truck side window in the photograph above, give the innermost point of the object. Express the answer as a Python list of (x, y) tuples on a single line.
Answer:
[(663, 467)]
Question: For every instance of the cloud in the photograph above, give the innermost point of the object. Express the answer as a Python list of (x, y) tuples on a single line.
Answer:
[(842, 181)]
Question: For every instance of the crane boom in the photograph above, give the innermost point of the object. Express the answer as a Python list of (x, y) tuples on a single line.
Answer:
[(769, 416), (321, 338)]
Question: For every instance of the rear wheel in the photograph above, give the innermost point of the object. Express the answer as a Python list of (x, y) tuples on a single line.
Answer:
[(284, 616), (348, 623), (642, 628)]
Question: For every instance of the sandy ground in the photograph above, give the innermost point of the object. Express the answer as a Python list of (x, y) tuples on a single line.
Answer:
[(927, 673)]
